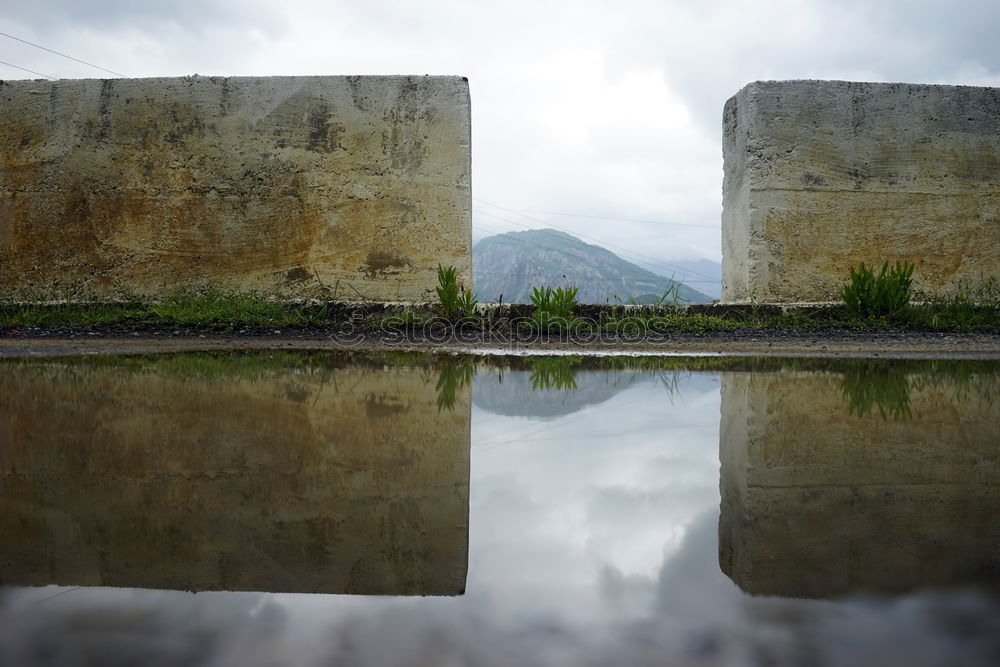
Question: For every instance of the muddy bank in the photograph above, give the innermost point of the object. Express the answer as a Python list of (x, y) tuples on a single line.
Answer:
[(59, 341)]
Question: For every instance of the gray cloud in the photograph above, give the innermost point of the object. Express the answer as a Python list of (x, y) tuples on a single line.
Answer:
[(53, 17)]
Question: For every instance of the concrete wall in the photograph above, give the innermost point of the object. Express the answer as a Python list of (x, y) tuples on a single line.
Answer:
[(249, 473), (349, 188), (822, 175), (819, 501)]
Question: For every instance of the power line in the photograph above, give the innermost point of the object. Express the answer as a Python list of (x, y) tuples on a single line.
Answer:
[(575, 233), (606, 217), (25, 69), (39, 46)]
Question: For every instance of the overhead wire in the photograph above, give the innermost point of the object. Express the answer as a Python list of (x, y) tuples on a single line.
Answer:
[(45, 48), (25, 69), (608, 217)]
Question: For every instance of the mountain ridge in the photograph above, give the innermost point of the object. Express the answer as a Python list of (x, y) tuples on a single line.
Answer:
[(508, 265)]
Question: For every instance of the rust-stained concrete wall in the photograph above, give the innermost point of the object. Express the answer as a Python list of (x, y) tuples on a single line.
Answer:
[(818, 501), (822, 175), (349, 188), (250, 474)]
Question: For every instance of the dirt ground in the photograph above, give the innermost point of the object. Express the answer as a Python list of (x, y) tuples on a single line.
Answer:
[(65, 342)]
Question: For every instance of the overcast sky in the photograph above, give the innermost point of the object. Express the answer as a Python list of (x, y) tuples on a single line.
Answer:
[(594, 108)]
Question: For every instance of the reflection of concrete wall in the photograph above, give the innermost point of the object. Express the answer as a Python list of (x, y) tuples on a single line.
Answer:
[(821, 175), (818, 502), (326, 480), (280, 184)]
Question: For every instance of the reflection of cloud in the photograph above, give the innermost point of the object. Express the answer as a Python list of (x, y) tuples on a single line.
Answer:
[(135, 626), (634, 527), (122, 627), (691, 585), (609, 485), (721, 625), (625, 591)]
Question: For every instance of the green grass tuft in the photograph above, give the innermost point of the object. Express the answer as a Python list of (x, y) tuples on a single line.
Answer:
[(884, 294)]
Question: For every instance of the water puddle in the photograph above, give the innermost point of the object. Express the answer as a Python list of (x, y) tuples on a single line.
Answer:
[(248, 473), (407, 509)]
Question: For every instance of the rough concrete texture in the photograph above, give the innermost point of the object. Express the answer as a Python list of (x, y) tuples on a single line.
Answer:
[(822, 175), (194, 474), (350, 188), (818, 501)]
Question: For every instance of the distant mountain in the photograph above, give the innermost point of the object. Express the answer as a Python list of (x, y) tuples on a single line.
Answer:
[(513, 393), (512, 264)]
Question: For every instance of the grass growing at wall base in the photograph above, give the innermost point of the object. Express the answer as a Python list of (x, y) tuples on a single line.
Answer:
[(206, 310), (966, 311)]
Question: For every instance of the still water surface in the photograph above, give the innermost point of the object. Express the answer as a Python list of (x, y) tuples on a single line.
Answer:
[(408, 510)]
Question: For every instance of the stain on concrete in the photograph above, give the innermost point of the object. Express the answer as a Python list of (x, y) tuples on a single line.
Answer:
[(384, 405), (382, 263), (297, 275), (104, 110), (811, 180), (233, 183), (323, 132)]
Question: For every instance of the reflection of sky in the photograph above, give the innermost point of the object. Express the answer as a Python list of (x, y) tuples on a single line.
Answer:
[(602, 493), (593, 540)]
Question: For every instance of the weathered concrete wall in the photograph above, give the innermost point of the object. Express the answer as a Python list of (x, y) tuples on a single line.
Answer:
[(818, 501), (247, 474), (822, 175), (328, 186)]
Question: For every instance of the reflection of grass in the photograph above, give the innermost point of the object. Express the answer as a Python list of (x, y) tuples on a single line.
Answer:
[(671, 381), (945, 368), (222, 365), (978, 375), (877, 384), (866, 384), (453, 372), (554, 373)]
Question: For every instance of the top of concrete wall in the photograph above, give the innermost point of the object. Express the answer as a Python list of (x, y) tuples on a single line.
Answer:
[(890, 136), (844, 84)]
